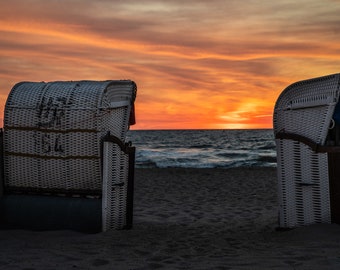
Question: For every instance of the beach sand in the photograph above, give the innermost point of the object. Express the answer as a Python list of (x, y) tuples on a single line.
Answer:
[(186, 219)]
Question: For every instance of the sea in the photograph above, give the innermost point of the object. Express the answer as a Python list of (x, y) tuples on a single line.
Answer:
[(203, 148)]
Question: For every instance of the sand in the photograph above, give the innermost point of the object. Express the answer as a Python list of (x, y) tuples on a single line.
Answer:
[(186, 219)]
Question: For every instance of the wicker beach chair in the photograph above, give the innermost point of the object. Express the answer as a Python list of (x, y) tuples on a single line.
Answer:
[(307, 140), (64, 147)]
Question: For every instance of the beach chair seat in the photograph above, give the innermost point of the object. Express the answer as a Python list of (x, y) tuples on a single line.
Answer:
[(306, 152), (67, 139)]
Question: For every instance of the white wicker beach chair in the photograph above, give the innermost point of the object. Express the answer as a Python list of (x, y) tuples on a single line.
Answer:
[(306, 149), (68, 139)]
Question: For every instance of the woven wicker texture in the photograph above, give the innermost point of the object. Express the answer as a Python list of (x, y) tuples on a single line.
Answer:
[(304, 108), (303, 185), (52, 132), (115, 182)]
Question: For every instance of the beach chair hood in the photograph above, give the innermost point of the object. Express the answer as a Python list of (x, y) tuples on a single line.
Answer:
[(53, 132), (306, 108)]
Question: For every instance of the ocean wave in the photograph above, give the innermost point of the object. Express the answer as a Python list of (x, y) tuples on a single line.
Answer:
[(204, 148), (232, 155), (270, 146), (270, 159)]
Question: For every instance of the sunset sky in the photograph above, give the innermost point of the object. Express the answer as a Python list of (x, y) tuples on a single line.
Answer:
[(214, 64)]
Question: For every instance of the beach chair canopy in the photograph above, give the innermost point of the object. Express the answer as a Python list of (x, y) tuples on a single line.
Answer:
[(53, 133), (306, 108)]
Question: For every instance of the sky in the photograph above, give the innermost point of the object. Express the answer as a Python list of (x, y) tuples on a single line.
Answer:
[(198, 64)]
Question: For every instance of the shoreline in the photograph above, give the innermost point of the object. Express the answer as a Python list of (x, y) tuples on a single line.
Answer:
[(186, 219)]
